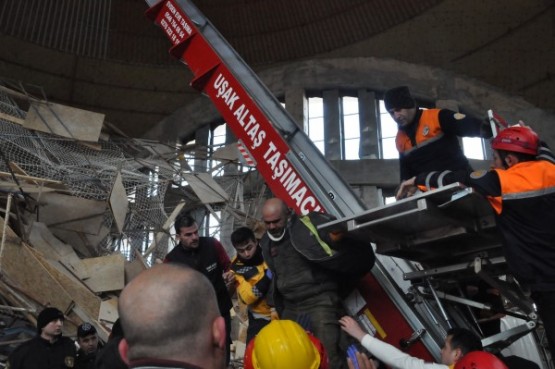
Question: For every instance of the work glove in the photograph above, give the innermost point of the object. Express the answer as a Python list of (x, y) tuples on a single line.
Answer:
[(274, 314), (352, 354), (269, 274)]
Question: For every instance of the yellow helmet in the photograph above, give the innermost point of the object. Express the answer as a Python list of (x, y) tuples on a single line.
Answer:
[(284, 344)]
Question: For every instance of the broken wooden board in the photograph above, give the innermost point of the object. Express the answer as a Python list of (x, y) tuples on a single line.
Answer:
[(165, 228), (109, 310), (85, 244), (11, 118), (71, 213), (206, 188), (22, 267), (228, 153), (119, 203), (54, 249), (107, 273), (135, 267), (80, 294), (64, 121)]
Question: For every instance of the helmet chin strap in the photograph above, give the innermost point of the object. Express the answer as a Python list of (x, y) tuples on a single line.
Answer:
[(278, 238)]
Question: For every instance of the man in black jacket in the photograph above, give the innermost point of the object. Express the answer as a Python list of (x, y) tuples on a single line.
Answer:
[(49, 349), (428, 139), (87, 339), (208, 256), (521, 191)]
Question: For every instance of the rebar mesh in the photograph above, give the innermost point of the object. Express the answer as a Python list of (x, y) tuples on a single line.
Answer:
[(89, 173)]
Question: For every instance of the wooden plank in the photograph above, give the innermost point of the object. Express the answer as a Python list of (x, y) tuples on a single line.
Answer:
[(64, 121), (11, 118), (109, 310), (30, 178), (119, 203), (80, 294), (229, 152), (206, 188), (54, 249), (165, 228), (71, 213), (133, 268), (24, 269), (107, 273)]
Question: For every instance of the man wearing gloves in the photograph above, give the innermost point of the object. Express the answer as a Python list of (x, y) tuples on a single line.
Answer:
[(49, 349)]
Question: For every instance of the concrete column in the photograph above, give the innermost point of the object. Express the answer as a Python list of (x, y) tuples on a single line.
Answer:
[(202, 135), (368, 112), (230, 139), (296, 105), (332, 125)]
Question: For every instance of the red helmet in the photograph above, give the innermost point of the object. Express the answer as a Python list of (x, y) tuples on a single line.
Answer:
[(480, 360), (517, 139)]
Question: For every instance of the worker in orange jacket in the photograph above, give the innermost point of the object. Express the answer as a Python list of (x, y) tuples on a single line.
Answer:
[(521, 190), (428, 139)]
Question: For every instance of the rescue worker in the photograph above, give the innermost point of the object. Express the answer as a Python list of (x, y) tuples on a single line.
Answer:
[(309, 273), (171, 319), (285, 344), (457, 344), (87, 339), (48, 349), (253, 279), (480, 360), (428, 139), (208, 256), (521, 190)]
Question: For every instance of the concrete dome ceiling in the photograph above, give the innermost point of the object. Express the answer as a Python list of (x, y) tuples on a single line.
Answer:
[(104, 55)]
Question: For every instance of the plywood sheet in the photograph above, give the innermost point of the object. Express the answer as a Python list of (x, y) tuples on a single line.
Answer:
[(54, 249), (71, 213), (119, 203), (109, 310), (107, 273), (80, 294), (21, 266), (228, 152), (206, 188), (64, 121)]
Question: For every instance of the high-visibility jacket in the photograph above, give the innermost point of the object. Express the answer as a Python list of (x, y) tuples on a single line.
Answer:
[(523, 198), (526, 219), (253, 283), (431, 142)]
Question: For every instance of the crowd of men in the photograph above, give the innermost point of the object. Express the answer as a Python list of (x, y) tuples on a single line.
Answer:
[(293, 280)]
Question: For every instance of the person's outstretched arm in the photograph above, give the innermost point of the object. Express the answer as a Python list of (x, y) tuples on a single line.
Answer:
[(383, 351)]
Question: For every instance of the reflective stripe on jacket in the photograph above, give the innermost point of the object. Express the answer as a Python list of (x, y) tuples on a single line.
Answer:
[(526, 218)]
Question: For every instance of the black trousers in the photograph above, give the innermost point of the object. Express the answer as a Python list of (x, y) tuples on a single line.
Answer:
[(545, 303)]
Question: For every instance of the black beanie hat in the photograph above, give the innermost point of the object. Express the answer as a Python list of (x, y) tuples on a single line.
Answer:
[(399, 98), (85, 329), (46, 316)]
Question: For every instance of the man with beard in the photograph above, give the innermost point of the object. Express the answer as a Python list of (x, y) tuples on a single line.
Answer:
[(309, 270), (49, 349), (428, 139), (208, 256)]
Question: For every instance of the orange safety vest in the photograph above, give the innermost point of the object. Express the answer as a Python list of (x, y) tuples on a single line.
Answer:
[(428, 131), (530, 179)]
